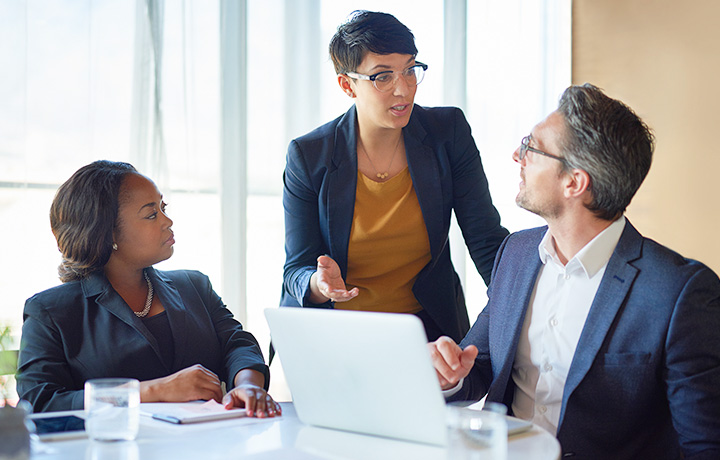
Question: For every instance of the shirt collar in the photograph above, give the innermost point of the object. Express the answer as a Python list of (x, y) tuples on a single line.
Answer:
[(594, 255)]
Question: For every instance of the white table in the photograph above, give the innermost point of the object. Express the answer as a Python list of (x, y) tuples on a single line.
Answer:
[(284, 438)]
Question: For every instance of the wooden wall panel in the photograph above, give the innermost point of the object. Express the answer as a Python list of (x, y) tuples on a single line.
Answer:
[(662, 57)]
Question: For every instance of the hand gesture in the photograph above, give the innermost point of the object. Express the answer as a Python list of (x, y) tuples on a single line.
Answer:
[(329, 282), (256, 401), (451, 362), (190, 384)]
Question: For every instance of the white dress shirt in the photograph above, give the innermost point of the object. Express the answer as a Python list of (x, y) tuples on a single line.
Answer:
[(558, 308)]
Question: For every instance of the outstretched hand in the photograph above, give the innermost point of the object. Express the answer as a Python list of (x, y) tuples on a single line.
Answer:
[(451, 362), (329, 282)]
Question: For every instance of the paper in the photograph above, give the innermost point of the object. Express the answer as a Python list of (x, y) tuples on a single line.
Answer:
[(189, 412)]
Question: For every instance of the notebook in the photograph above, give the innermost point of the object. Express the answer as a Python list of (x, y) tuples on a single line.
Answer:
[(189, 412), (360, 371)]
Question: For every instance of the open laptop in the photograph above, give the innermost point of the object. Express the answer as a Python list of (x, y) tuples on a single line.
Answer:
[(360, 371)]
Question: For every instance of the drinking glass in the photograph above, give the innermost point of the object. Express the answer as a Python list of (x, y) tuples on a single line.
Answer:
[(475, 433), (112, 409), (98, 450)]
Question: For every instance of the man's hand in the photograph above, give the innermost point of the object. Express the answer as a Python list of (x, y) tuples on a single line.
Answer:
[(451, 362)]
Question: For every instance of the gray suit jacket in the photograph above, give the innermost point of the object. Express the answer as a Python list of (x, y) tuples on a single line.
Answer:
[(645, 378)]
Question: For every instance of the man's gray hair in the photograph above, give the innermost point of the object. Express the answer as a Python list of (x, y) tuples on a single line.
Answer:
[(606, 139)]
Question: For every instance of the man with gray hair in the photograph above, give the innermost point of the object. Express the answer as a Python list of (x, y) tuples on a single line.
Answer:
[(603, 337)]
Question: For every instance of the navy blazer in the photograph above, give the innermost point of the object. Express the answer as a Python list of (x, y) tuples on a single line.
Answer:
[(645, 378), (83, 330), (319, 200)]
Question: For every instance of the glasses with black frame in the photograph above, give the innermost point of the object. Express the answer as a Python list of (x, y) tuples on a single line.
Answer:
[(385, 81), (525, 146)]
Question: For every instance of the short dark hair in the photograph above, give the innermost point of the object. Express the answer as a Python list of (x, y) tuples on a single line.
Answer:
[(368, 31), (83, 216), (606, 139)]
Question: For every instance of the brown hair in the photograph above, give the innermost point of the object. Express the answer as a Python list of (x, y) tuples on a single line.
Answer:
[(606, 139), (83, 217)]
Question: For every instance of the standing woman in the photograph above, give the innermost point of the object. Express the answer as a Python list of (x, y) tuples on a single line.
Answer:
[(116, 316), (368, 197)]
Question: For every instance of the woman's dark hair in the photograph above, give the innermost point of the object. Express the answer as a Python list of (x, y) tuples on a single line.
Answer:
[(367, 31), (83, 216)]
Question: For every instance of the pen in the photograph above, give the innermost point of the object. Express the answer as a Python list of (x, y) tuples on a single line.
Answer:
[(166, 418)]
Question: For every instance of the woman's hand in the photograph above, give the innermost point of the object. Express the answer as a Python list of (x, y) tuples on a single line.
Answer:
[(327, 283), (249, 393), (190, 384), (256, 401)]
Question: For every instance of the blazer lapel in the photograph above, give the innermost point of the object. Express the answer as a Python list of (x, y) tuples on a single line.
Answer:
[(614, 288), (340, 192), (516, 287), (108, 299), (342, 184), (425, 175), (518, 300)]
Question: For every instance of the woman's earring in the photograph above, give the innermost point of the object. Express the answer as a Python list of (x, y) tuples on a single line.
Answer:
[(350, 93), (114, 246)]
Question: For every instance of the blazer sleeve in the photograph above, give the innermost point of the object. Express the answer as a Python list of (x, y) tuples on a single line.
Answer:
[(476, 214), (240, 348), (693, 366), (476, 384), (44, 377), (303, 235)]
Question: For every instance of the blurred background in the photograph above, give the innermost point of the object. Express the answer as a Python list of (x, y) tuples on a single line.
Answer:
[(203, 96)]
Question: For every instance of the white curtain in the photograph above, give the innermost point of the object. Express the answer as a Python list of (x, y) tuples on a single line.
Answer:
[(147, 151), (106, 79)]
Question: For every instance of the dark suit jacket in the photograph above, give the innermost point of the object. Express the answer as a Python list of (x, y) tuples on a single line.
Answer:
[(83, 330), (645, 379), (319, 199)]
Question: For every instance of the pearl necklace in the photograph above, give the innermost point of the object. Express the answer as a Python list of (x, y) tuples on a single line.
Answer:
[(148, 301)]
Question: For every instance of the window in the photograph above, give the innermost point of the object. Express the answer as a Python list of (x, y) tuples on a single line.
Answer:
[(78, 82), (292, 89), (141, 82)]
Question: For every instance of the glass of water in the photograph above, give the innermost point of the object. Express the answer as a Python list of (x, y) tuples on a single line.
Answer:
[(112, 409), (477, 432)]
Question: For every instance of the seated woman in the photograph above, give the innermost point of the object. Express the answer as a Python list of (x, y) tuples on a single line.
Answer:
[(116, 316), (368, 197)]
